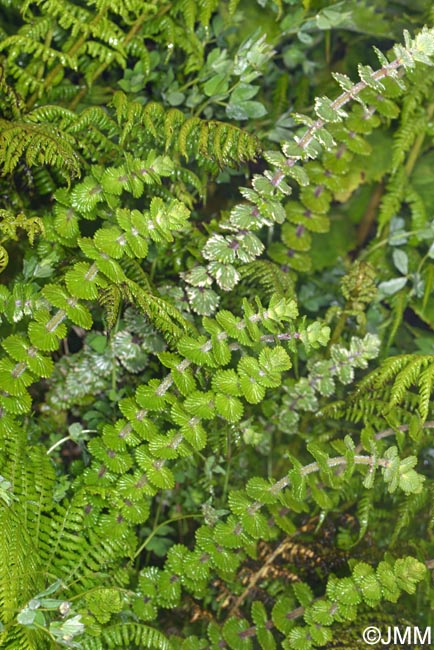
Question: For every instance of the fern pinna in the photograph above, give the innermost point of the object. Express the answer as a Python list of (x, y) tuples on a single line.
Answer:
[(190, 424)]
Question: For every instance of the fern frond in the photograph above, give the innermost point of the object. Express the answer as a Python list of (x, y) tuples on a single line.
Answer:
[(270, 276), (206, 10), (4, 258), (44, 181), (64, 548), (111, 299), (125, 8), (19, 567), (22, 570), (405, 378), (365, 508), (10, 223), (404, 138), (425, 381), (51, 113), (164, 316), (417, 205), (13, 102), (408, 509), (223, 143), (28, 44), (421, 89), (189, 11), (21, 638), (400, 374), (128, 636), (134, 272), (371, 407), (37, 144), (69, 15), (103, 54), (93, 117)]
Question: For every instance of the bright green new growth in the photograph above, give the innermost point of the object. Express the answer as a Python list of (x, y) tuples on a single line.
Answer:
[(244, 417)]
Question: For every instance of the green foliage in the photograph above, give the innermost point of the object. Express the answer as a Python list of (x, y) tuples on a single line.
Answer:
[(197, 392)]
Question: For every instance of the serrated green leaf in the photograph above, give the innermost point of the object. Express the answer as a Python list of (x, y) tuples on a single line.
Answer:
[(198, 350), (260, 490), (149, 396), (82, 281), (43, 339), (201, 404), (229, 407), (281, 614), (155, 469), (226, 381), (20, 349), (233, 630), (111, 241), (250, 380)]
